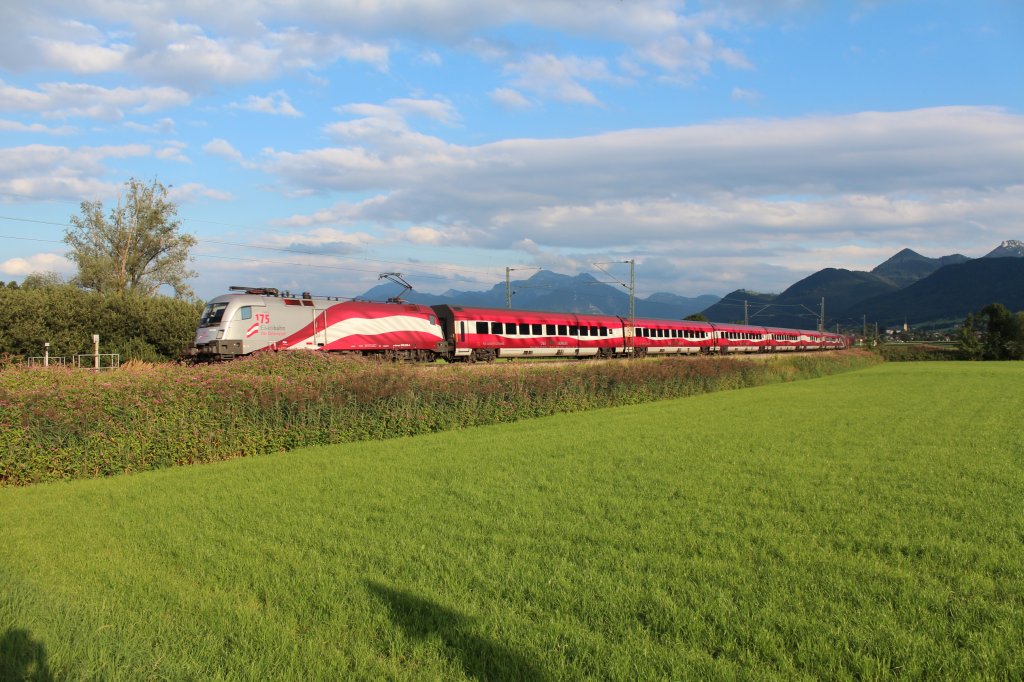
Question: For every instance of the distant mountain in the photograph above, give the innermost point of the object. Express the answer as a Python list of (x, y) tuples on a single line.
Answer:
[(696, 303), (908, 266), (799, 306), (948, 294), (734, 305), (547, 290), (906, 286), (1012, 248)]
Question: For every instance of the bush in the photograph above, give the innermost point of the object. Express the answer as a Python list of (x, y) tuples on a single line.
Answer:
[(913, 352), (64, 423), (147, 328)]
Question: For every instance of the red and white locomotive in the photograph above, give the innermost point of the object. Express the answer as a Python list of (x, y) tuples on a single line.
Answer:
[(250, 320)]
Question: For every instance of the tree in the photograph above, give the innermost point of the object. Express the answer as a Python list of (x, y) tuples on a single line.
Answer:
[(42, 280), (1002, 334), (137, 249), (1004, 339), (696, 317), (970, 345)]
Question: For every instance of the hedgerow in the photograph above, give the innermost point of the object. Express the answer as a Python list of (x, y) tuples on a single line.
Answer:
[(64, 423)]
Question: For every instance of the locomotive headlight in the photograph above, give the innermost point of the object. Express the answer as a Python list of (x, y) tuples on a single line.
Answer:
[(220, 335)]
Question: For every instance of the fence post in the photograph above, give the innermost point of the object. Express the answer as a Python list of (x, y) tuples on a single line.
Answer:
[(96, 352)]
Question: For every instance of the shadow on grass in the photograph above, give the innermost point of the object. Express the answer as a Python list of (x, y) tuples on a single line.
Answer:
[(479, 657), (22, 657)]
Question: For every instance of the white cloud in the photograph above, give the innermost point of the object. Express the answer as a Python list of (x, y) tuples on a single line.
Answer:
[(744, 95), (40, 262), (510, 98), (195, 46), (277, 103), (192, 191), (559, 78), (221, 147), (881, 176), (82, 59), (430, 58), (47, 172), (173, 151), (68, 100), (19, 127)]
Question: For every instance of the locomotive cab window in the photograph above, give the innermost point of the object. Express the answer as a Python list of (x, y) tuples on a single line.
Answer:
[(245, 312), (213, 314)]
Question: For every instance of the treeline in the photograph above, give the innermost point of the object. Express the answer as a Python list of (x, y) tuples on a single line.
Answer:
[(137, 327), (993, 333)]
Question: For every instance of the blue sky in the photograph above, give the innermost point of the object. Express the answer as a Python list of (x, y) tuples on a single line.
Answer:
[(313, 145)]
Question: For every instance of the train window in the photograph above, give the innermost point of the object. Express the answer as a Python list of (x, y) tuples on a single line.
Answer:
[(604, 331), (549, 329), (245, 312), (574, 330), (584, 330), (495, 327), (524, 328), (593, 331), (510, 327), (213, 314), (481, 327), (563, 330), (536, 329)]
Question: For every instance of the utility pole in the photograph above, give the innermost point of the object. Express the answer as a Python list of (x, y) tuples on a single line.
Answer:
[(508, 284), (865, 326), (746, 316), (627, 341), (821, 325), (632, 292)]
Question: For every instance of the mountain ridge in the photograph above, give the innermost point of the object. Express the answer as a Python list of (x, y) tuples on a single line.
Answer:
[(907, 286)]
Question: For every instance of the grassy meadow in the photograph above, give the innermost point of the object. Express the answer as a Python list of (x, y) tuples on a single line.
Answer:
[(864, 525)]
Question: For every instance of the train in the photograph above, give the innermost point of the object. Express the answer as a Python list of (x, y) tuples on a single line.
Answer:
[(252, 319)]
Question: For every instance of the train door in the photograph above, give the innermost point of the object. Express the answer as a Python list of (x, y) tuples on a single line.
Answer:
[(319, 327)]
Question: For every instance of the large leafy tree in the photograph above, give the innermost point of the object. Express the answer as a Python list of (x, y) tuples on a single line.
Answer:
[(136, 249), (1002, 334)]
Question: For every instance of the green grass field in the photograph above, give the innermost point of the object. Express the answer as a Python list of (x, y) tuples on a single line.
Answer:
[(864, 525)]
